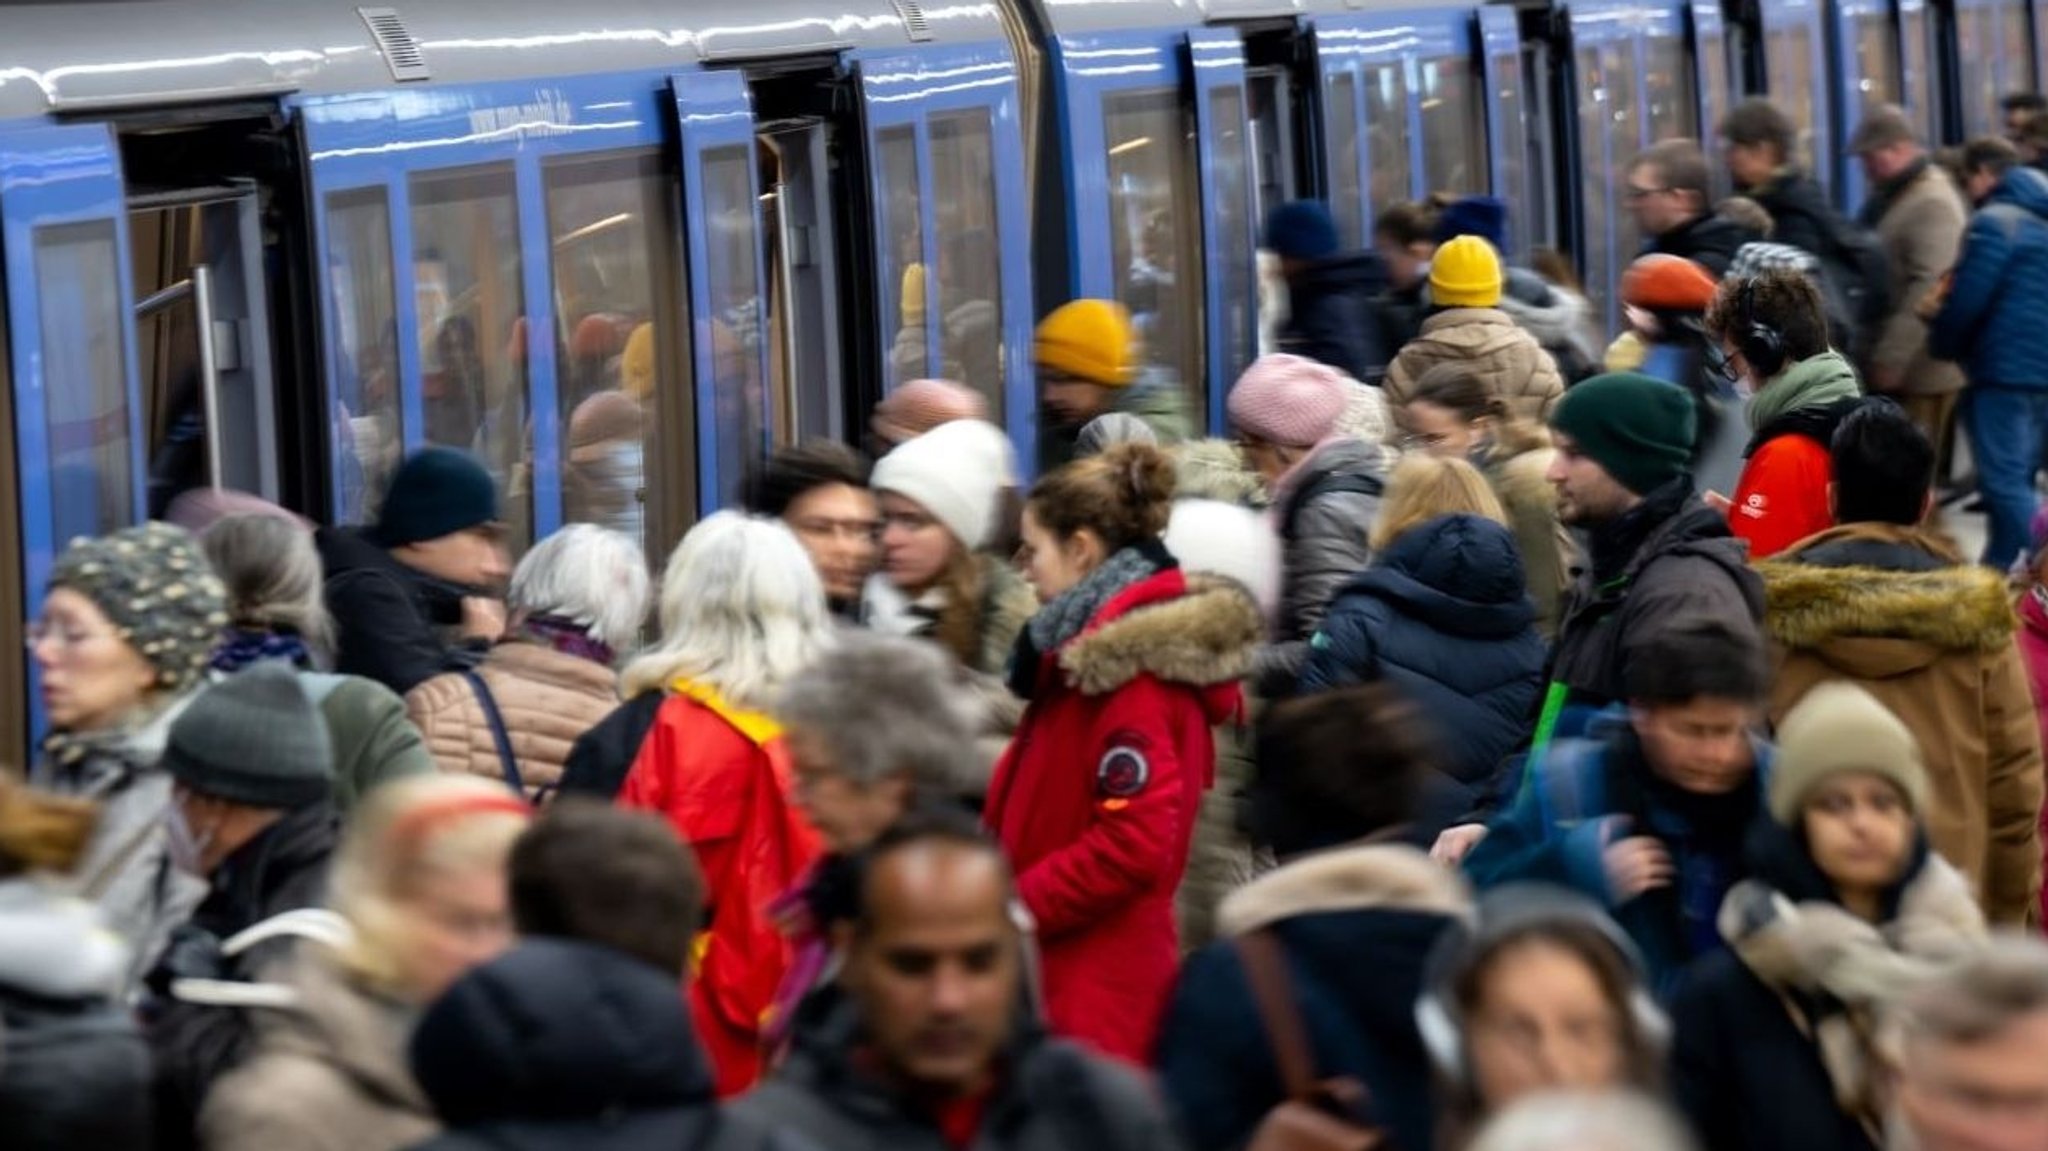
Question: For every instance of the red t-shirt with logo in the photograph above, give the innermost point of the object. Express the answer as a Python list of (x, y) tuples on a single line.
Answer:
[(1782, 496)]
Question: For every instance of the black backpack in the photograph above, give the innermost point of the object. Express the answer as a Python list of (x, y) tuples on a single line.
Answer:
[(1859, 277), (1325, 484)]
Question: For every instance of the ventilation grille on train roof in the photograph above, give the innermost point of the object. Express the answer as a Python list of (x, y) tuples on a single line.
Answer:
[(401, 52), (914, 22)]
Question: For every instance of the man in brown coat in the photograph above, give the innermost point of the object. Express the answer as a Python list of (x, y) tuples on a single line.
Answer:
[(1919, 215), (1881, 601)]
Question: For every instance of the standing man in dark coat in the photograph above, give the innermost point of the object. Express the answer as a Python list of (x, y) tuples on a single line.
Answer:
[(1666, 189), (1330, 316)]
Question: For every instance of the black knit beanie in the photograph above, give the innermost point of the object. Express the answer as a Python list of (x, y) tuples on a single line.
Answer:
[(436, 492)]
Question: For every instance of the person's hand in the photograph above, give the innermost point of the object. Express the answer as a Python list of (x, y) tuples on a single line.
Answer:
[(1718, 502), (482, 618), (1454, 843), (1635, 863)]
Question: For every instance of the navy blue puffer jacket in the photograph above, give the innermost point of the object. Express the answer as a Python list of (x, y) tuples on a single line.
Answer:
[(1443, 615), (1998, 300)]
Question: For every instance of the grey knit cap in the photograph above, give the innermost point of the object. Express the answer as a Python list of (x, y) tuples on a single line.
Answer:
[(254, 739), (153, 583), (1109, 429)]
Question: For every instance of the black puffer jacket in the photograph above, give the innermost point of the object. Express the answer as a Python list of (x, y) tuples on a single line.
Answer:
[(391, 623), (1331, 316), (1710, 241), (1444, 615), (571, 1046)]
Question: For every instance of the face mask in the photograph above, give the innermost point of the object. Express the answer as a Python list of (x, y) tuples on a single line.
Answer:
[(186, 848)]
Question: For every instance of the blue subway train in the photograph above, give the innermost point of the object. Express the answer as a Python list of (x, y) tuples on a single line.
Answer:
[(272, 245)]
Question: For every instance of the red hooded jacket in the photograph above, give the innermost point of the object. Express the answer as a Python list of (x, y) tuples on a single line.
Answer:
[(721, 776), (1095, 800)]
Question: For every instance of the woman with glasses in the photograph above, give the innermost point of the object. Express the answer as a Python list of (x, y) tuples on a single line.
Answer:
[(1455, 414), (128, 624)]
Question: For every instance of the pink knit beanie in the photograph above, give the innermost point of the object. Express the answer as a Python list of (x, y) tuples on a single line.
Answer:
[(1288, 401)]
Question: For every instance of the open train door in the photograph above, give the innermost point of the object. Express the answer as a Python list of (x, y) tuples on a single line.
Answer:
[(722, 244), (70, 377), (1223, 140)]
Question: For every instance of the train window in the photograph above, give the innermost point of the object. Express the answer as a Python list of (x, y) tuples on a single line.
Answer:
[(366, 348), (903, 263), (1347, 197), (738, 421), (1155, 226), (1625, 125), (1788, 52), (1876, 64), (85, 378), (1386, 131), (612, 242), (1979, 88), (1919, 87), (1596, 188), (1514, 138), (1720, 97), (970, 287), (1672, 111), (1454, 127), (471, 302), (1233, 217), (2017, 73)]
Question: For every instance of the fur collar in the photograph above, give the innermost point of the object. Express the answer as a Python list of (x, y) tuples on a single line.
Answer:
[(1381, 876), (1201, 638), (1961, 608)]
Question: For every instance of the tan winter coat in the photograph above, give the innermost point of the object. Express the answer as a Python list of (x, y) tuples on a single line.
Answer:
[(548, 698), (1922, 231), (330, 1075), (1517, 367), (1938, 647)]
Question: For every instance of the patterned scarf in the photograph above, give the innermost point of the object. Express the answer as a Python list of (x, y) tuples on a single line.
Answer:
[(1063, 617), (567, 637), (244, 647)]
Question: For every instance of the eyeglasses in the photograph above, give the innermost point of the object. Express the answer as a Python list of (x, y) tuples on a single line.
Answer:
[(66, 635), (1633, 193)]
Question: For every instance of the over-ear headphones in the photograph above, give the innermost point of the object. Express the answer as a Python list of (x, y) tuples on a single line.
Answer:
[(1505, 914), (1762, 345)]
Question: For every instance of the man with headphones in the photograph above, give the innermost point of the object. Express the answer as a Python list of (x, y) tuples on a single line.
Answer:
[(1774, 329)]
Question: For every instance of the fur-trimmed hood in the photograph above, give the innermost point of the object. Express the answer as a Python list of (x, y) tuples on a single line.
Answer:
[(1836, 611), (1202, 638), (1388, 876)]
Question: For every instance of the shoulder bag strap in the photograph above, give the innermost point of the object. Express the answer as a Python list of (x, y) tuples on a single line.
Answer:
[(499, 735), (1265, 967)]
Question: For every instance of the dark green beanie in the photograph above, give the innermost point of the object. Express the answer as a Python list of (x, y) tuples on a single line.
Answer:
[(1639, 428), (254, 739)]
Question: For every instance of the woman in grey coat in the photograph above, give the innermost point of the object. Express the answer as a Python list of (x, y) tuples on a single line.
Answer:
[(127, 626)]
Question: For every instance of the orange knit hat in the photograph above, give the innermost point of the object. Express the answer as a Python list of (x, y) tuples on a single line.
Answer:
[(1664, 283)]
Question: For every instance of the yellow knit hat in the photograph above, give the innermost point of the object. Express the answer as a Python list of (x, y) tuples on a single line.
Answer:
[(1465, 273), (910, 295), (1092, 340)]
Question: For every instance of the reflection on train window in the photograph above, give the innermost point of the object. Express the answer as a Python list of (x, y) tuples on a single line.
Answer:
[(903, 288), (1386, 130), (1347, 195), (609, 221), (1788, 51), (471, 302), (1876, 64), (1596, 188), (365, 369), (734, 327), (1453, 128), (85, 379), (1233, 215), (1514, 140), (970, 279), (1155, 231), (1672, 114)]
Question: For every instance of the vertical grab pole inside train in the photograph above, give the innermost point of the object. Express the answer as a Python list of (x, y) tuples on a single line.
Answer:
[(209, 368)]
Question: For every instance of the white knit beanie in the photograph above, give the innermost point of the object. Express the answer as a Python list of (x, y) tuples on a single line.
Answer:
[(954, 471)]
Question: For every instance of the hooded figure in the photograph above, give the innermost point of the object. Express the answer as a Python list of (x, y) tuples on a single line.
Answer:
[(1330, 314)]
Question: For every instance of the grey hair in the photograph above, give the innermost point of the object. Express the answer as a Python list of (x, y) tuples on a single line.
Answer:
[(742, 611), (887, 706), (272, 575), (1585, 1121), (593, 577), (1974, 1000)]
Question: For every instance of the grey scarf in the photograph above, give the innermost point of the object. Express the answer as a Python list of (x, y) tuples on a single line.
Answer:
[(1067, 613)]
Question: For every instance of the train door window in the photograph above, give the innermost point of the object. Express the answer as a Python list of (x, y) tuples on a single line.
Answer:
[(78, 278), (1596, 190), (1272, 143), (2017, 70), (1720, 95), (1155, 228), (1877, 65), (734, 240), (612, 252), (1625, 134), (1788, 53), (1514, 137), (1234, 225), (1347, 195), (1672, 92), (1979, 87), (1454, 128), (970, 275), (365, 370), (1918, 85), (1386, 132), (471, 302), (903, 262)]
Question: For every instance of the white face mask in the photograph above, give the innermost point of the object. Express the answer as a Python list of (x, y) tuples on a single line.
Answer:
[(186, 848)]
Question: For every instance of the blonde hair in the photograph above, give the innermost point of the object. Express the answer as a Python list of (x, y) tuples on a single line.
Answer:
[(742, 611), (405, 830), (1424, 488)]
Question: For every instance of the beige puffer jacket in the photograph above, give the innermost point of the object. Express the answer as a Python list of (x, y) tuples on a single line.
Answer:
[(1521, 372), (548, 698)]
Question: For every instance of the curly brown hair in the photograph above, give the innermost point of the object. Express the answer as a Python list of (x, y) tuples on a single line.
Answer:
[(1124, 496), (1780, 298)]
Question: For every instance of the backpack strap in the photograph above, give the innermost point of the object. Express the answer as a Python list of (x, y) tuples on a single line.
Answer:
[(1265, 967), (499, 735), (1329, 483)]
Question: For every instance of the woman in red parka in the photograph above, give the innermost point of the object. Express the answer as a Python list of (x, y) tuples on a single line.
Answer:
[(1126, 667), (742, 612)]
